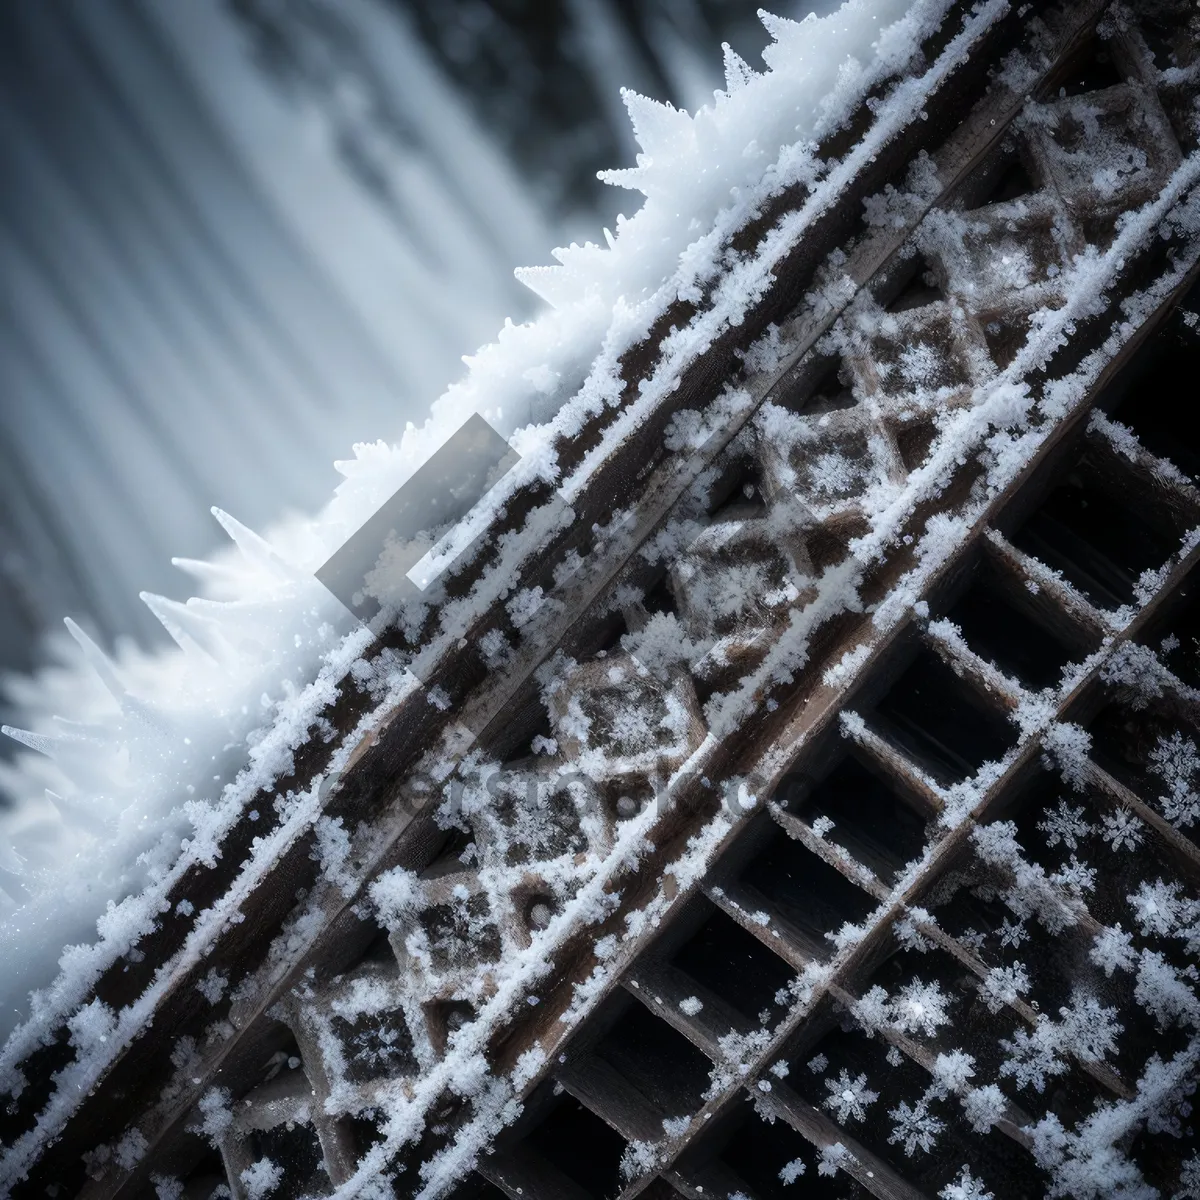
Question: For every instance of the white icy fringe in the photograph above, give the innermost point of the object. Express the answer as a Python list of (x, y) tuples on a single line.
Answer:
[(147, 754)]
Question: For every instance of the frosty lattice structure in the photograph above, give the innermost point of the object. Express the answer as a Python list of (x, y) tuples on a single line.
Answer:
[(804, 789)]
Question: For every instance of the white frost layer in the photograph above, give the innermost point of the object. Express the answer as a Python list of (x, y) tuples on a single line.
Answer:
[(159, 750)]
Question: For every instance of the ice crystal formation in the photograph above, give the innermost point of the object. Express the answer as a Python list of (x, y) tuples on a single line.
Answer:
[(794, 787)]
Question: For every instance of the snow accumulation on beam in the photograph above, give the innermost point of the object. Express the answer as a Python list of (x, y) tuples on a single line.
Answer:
[(717, 676), (154, 748), (141, 754)]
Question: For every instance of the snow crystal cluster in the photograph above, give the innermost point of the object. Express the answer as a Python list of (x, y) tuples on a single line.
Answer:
[(145, 752)]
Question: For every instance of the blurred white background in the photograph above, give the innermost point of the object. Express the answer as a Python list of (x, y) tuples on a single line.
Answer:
[(237, 236)]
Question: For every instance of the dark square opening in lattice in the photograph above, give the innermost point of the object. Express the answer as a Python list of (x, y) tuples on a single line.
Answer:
[(920, 288), (1156, 396), (724, 958), (1089, 70), (207, 1172), (877, 827), (1007, 637), (810, 897), (1098, 542), (1155, 752), (822, 385), (655, 1059), (581, 1146), (934, 716), (297, 1152), (660, 598), (1176, 639), (758, 1152), (738, 492), (1010, 182)]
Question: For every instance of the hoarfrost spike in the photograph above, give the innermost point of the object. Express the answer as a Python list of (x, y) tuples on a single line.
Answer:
[(12, 887), (779, 28), (82, 731), (205, 572), (188, 629), (49, 746), (77, 814), (631, 178), (59, 805), (551, 284), (254, 549), (150, 718), (738, 72), (10, 861), (131, 706), (229, 623), (655, 125), (98, 661)]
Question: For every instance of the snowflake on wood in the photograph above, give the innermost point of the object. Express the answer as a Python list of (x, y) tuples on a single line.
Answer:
[(984, 1106), (1034, 1054), (1176, 762), (973, 939), (1157, 907), (909, 935), (1113, 950), (1189, 1180), (1122, 830), (676, 1127), (1065, 823), (212, 986), (131, 1149), (834, 474), (792, 1171), (261, 1179), (1088, 1029), (873, 1009), (1190, 933), (1012, 933), (1031, 892), (965, 1187), (1002, 985), (832, 1158), (1075, 876), (629, 729), (1069, 747), (380, 1046), (848, 1098), (915, 1126), (917, 363), (738, 1050), (639, 1158), (951, 1073), (1162, 992), (920, 1006)]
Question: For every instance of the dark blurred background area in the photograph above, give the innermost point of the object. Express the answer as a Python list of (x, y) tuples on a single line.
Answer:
[(237, 236)]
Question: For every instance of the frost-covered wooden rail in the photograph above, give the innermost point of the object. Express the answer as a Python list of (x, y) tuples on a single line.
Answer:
[(847, 821)]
